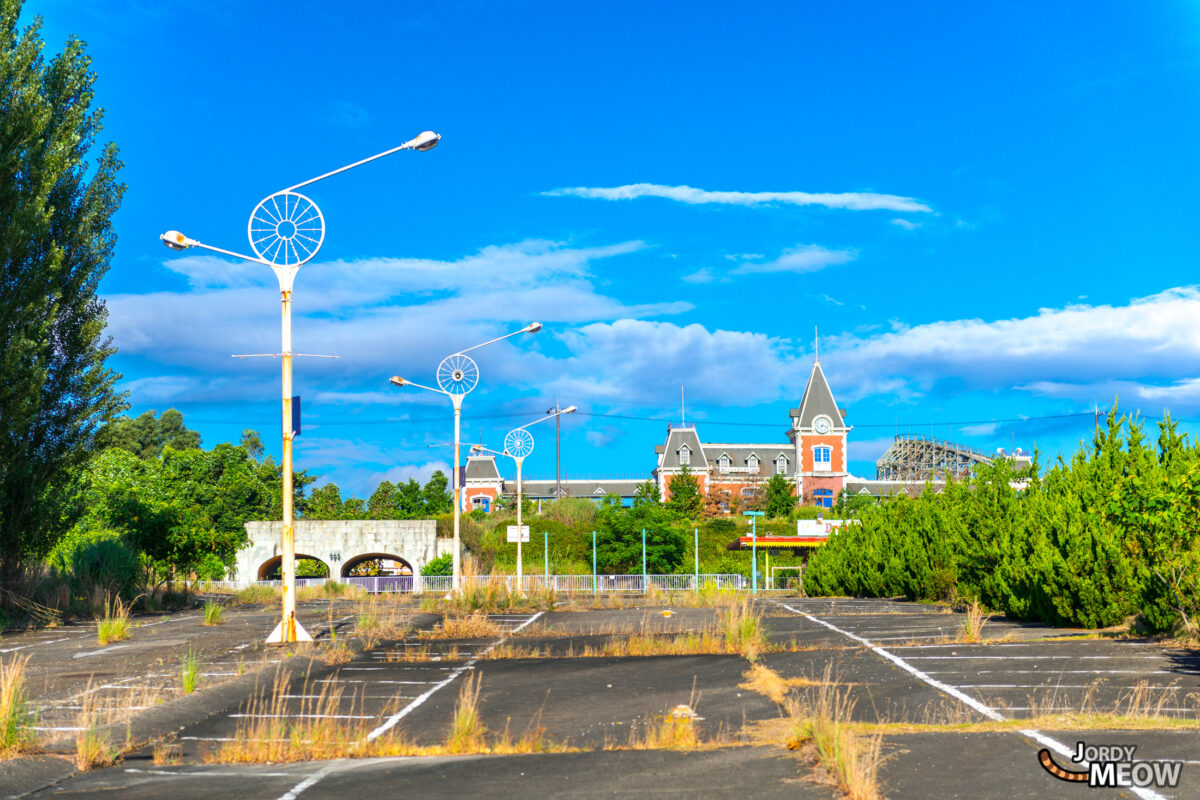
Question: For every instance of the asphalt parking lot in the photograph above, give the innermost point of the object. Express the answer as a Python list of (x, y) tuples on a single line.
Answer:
[(897, 660)]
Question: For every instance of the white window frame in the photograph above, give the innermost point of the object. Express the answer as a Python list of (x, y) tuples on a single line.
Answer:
[(723, 463), (820, 465), (781, 465), (685, 456), (752, 462)]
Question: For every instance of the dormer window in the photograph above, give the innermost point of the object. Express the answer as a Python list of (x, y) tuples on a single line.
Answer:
[(781, 465), (752, 462), (723, 464), (685, 456)]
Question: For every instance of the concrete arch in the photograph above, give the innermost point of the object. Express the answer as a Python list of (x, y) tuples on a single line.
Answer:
[(358, 559), (268, 567)]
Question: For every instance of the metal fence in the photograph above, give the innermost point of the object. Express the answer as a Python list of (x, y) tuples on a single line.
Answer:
[(563, 584)]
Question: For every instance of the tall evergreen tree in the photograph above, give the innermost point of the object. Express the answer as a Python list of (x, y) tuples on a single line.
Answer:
[(56, 242), (685, 497)]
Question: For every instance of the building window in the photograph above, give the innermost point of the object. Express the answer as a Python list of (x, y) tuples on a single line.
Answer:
[(749, 491), (781, 466), (723, 464), (823, 498), (685, 456), (752, 462), (481, 501), (822, 456)]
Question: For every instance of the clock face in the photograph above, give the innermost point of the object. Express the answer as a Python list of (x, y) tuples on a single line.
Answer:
[(821, 425)]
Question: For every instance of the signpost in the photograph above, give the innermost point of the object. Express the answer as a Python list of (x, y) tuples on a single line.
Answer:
[(753, 515), (513, 536)]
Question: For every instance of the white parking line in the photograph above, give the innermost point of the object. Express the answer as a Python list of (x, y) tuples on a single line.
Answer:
[(955, 692), (390, 722), (98, 652)]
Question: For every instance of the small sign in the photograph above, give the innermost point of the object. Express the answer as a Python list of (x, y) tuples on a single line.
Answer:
[(296, 416), (512, 533)]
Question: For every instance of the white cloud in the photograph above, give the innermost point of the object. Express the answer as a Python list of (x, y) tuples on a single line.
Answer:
[(1152, 340), (1180, 393), (381, 316), (983, 429), (906, 224), (801, 258), (702, 275), (853, 201)]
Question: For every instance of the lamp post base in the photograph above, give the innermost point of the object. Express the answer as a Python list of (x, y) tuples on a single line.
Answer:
[(276, 636)]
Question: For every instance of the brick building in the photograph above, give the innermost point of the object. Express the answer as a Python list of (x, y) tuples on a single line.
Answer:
[(813, 458)]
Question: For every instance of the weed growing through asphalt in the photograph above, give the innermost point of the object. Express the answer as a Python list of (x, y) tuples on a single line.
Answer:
[(190, 672), (821, 720), (114, 625), (472, 626), (971, 631), (466, 729), (94, 747), (16, 718), (213, 613)]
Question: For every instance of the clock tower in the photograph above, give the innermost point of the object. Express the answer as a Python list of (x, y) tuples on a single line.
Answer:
[(818, 433)]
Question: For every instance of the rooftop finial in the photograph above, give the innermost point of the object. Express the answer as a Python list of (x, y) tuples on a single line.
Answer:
[(816, 346)]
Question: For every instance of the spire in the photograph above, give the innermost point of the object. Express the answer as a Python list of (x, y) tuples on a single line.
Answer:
[(818, 401), (816, 346)]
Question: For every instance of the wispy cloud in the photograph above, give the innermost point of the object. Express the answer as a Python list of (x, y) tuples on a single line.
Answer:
[(802, 258), (908, 225), (852, 201)]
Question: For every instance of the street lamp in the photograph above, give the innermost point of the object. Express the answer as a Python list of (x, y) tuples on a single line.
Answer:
[(518, 445), (286, 229), (457, 375), (753, 515)]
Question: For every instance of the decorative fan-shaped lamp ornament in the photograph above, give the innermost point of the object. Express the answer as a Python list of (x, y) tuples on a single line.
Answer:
[(457, 374), (286, 229), (518, 443)]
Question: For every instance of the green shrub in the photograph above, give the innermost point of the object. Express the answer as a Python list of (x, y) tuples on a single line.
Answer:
[(442, 565)]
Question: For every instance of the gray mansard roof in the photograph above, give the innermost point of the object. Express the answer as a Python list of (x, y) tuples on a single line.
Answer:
[(740, 453), (817, 400), (482, 468), (675, 441), (590, 488)]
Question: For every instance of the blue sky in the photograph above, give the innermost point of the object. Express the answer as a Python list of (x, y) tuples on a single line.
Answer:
[(987, 209)]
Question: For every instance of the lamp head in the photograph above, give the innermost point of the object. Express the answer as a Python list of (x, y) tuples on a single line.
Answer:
[(475, 448), (426, 140), (396, 380), (175, 240), (570, 409), (533, 327)]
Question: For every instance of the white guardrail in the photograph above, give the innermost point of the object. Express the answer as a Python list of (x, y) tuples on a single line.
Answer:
[(420, 584)]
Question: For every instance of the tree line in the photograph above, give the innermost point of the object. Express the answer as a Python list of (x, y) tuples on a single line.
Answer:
[(1110, 534)]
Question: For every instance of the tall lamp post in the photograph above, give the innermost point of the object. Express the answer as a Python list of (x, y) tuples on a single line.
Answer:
[(753, 515), (286, 229), (518, 445), (457, 375)]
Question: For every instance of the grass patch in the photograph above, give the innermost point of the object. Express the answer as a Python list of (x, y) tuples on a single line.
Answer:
[(16, 718), (328, 725), (257, 595), (471, 626), (114, 625), (213, 613), (328, 591), (376, 620)]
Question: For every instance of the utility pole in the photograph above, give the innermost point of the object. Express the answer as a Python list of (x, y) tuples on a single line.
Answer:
[(557, 448)]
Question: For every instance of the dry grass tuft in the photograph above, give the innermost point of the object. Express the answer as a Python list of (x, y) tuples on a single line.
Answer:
[(333, 656), (16, 718), (466, 729), (971, 631), (94, 747), (472, 626), (377, 620), (821, 721), (167, 752), (766, 682)]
